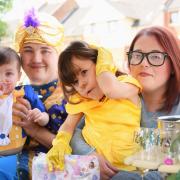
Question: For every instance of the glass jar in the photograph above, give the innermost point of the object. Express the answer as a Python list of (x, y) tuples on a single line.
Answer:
[(170, 138)]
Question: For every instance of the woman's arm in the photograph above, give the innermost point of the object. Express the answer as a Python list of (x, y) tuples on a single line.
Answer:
[(39, 133)]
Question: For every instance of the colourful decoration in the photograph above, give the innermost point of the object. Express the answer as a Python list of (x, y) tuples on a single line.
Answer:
[(31, 19), (168, 161), (76, 167)]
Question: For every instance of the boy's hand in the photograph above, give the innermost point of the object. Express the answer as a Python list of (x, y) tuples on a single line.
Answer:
[(35, 115), (55, 156)]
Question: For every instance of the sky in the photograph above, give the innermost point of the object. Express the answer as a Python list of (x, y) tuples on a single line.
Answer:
[(19, 8)]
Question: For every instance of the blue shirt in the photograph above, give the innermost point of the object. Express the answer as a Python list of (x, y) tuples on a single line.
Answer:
[(149, 119)]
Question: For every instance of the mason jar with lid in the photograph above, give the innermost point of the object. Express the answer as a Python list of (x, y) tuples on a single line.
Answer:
[(170, 136)]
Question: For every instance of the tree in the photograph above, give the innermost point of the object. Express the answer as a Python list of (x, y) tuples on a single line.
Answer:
[(5, 6)]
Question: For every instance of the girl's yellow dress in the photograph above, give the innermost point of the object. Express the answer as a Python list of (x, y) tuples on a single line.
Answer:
[(110, 125)]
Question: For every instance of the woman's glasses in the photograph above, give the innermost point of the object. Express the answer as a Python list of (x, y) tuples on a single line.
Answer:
[(153, 58)]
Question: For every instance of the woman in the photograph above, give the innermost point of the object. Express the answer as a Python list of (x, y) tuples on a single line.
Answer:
[(154, 60), (38, 40)]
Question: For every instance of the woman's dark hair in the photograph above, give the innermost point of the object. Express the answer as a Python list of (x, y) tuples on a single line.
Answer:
[(8, 55), (171, 46), (66, 70)]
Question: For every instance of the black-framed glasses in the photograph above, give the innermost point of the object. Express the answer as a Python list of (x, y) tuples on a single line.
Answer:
[(153, 58)]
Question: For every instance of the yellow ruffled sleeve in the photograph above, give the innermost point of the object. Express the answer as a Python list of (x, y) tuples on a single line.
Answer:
[(131, 80), (80, 104), (104, 61)]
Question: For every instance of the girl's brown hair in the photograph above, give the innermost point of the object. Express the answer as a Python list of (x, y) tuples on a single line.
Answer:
[(170, 45), (66, 70)]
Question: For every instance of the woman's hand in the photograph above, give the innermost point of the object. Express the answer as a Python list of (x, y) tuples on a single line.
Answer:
[(107, 171), (20, 110), (41, 134)]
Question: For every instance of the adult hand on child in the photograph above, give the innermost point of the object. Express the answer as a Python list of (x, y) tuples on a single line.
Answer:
[(20, 109), (55, 156), (107, 170)]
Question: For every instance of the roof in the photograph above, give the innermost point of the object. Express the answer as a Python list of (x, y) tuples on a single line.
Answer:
[(51, 6), (100, 12), (71, 25)]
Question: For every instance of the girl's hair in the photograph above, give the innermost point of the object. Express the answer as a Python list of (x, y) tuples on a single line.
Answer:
[(66, 70), (171, 46), (8, 55)]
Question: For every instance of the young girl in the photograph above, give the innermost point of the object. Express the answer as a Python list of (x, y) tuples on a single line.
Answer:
[(109, 123), (12, 138)]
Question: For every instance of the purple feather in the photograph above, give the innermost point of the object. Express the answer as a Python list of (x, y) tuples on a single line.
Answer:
[(31, 19)]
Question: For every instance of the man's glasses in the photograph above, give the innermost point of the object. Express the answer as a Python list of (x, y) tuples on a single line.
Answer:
[(153, 58)]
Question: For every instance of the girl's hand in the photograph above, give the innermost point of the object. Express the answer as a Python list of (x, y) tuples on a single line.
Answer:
[(107, 171), (55, 156)]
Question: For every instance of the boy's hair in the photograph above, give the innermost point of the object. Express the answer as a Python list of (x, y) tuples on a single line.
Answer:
[(7, 55), (67, 72)]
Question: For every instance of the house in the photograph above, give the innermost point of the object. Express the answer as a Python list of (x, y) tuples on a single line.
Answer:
[(111, 23), (172, 15)]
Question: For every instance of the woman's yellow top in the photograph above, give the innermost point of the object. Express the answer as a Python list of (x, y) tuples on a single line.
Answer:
[(110, 125)]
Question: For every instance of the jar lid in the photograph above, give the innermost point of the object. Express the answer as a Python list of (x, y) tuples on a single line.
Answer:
[(170, 118)]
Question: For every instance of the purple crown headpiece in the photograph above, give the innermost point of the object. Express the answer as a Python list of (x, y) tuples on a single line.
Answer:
[(30, 19)]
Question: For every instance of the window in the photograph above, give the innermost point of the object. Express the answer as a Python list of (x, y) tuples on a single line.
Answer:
[(175, 17)]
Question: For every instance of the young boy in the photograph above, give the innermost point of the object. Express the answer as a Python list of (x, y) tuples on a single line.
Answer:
[(12, 138)]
